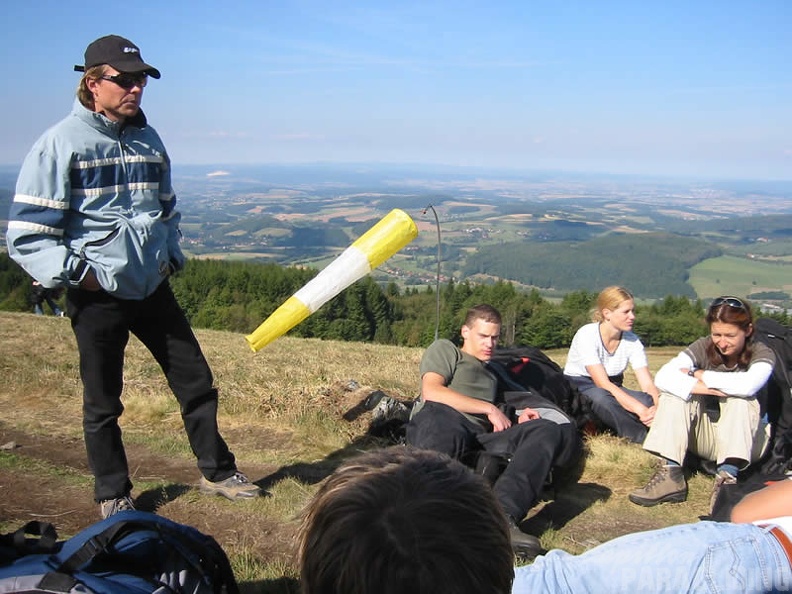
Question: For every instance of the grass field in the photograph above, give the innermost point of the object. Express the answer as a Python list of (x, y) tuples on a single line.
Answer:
[(730, 275), (282, 410)]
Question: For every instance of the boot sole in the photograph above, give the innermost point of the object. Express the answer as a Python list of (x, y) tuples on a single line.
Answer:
[(677, 497)]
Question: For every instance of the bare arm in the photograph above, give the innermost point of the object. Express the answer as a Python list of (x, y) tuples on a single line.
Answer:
[(646, 383), (770, 502), (433, 389)]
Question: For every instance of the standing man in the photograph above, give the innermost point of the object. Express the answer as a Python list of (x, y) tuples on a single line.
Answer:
[(94, 212), (458, 415)]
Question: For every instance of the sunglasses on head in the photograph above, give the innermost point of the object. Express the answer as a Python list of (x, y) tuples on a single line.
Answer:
[(730, 301), (128, 80)]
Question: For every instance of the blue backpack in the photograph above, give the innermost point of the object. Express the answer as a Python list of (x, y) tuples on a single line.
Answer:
[(131, 552)]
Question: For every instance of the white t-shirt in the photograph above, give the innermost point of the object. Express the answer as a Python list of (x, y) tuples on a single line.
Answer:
[(587, 349)]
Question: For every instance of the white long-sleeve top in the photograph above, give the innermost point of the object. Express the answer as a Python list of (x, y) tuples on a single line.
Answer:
[(734, 382)]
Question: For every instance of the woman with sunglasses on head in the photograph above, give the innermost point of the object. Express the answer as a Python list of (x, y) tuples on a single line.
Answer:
[(598, 356), (708, 404)]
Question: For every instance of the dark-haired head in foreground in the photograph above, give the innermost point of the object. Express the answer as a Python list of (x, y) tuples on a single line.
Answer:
[(404, 520)]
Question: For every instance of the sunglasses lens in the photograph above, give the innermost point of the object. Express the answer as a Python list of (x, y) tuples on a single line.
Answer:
[(133, 80), (730, 301), (128, 81)]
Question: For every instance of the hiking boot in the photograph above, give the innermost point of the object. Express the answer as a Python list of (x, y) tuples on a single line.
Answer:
[(722, 478), (109, 507), (526, 546), (236, 486), (668, 485), (388, 409)]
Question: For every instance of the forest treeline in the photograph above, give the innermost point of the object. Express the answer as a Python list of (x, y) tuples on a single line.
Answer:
[(657, 264), (238, 296)]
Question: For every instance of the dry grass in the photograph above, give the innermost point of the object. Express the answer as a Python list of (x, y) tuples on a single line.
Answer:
[(282, 409)]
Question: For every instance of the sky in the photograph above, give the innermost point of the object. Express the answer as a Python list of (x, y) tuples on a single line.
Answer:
[(649, 87)]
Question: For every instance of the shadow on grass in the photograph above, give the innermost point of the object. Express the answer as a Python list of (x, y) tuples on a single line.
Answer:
[(284, 585), (570, 503), (314, 472), (152, 499), (386, 428)]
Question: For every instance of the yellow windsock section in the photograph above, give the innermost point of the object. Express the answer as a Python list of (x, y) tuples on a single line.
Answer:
[(287, 316), (379, 243), (387, 237)]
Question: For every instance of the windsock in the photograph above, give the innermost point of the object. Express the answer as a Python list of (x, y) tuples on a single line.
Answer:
[(371, 249)]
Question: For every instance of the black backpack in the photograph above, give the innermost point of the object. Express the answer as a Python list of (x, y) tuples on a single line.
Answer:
[(776, 397), (532, 369), (730, 495)]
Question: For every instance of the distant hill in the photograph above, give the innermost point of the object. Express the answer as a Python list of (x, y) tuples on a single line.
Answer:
[(652, 265), (557, 231)]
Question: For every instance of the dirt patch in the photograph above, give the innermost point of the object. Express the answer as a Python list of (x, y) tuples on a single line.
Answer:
[(70, 507)]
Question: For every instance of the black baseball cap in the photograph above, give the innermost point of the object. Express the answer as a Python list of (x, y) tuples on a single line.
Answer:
[(120, 53)]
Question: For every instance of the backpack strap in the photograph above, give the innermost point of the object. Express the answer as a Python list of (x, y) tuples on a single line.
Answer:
[(57, 582), (17, 544), (99, 543)]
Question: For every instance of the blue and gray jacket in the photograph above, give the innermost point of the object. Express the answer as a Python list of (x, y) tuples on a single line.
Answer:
[(95, 193)]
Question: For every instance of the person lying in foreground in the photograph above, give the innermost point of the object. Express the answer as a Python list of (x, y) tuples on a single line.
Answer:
[(753, 553), (388, 522)]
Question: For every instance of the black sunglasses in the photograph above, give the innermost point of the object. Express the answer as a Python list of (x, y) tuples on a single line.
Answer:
[(730, 301), (128, 80)]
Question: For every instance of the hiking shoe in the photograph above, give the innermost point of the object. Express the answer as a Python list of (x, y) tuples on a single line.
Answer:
[(722, 478), (526, 546), (236, 486), (388, 409), (667, 485), (109, 507)]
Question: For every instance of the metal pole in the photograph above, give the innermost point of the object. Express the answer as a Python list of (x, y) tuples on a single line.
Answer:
[(437, 293)]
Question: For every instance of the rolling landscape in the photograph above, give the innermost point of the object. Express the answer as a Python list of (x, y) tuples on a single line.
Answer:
[(553, 231)]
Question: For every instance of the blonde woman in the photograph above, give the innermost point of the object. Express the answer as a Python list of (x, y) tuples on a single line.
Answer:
[(599, 355)]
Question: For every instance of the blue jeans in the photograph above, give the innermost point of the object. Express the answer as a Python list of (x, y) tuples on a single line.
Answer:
[(710, 557), (608, 410)]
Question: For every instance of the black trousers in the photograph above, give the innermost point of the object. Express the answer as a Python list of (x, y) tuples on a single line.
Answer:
[(535, 447), (101, 324)]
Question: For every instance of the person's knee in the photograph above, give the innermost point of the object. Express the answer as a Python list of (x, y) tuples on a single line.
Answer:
[(101, 417), (539, 433), (670, 406), (599, 397), (739, 406), (433, 429)]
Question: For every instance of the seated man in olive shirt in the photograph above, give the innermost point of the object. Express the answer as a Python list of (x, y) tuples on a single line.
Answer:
[(457, 414)]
